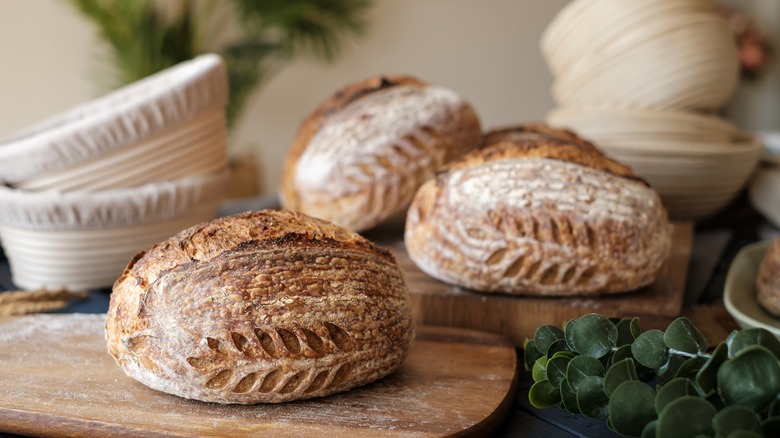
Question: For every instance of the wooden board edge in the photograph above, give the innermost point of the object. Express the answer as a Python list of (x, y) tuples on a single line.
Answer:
[(16, 421), (495, 420)]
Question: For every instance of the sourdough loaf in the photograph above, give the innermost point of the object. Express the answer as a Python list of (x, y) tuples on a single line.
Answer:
[(267, 306), (538, 211), (768, 281), (358, 159)]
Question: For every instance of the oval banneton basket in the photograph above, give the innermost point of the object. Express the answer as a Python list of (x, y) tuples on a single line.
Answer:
[(84, 240), (135, 135)]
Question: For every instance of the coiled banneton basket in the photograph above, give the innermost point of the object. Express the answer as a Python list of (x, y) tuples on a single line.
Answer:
[(83, 240), (87, 189), (645, 80), (150, 124)]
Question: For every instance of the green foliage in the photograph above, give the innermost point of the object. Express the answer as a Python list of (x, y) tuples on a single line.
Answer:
[(658, 383), (254, 37)]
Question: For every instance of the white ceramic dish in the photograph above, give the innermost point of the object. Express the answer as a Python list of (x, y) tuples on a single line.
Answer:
[(739, 296), (764, 193)]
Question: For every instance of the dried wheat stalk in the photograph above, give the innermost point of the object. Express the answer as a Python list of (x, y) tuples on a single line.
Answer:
[(26, 302)]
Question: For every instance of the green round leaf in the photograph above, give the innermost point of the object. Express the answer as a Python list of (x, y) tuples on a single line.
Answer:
[(650, 350), (672, 390), (623, 352), (530, 353), (594, 335), (620, 372), (582, 367), (569, 397), (735, 418), (750, 379), (650, 429), (556, 347), (690, 367), (636, 327), (556, 370), (609, 424), (591, 399), (543, 395), (568, 354), (754, 336), (545, 336), (625, 337), (685, 417), (539, 370), (567, 332), (631, 407), (706, 377), (681, 335)]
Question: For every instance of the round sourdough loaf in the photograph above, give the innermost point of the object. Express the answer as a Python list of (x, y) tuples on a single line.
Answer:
[(260, 307), (538, 211), (768, 281), (361, 155)]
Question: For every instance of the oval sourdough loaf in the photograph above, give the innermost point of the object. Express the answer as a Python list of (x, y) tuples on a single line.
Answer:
[(538, 211), (768, 281), (265, 306), (360, 156)]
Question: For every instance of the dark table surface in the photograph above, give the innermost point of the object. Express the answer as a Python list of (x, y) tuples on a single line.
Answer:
[(716, 242)]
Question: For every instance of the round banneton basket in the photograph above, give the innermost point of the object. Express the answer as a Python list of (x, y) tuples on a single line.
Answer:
[(166, 126), (664, 128), (641, 54), (697, 171), (83, 240)]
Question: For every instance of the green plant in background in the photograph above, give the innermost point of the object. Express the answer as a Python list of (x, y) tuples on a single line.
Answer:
[(653, 383), (254, 37)]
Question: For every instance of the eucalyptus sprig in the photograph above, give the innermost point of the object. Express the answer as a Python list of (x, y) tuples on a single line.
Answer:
[(653, 383)]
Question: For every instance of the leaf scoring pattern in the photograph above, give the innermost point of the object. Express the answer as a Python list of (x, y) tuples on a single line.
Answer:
[(275, 343), (517, 264)]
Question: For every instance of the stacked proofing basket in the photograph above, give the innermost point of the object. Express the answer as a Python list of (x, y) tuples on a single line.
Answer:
[(644, 79), (85, 190)]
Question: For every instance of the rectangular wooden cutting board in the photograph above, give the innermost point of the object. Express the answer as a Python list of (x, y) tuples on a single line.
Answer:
[(58, 380), (517, 317)]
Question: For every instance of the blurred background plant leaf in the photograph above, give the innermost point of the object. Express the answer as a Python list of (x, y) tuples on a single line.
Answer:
[(256, 38)]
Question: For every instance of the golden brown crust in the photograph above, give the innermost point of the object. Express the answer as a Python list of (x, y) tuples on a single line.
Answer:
[(369, 172), (768, 281), (542, 141), (265, 306), (538, 212)]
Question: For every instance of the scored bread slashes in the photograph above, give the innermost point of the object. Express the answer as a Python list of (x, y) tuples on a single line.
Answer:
[(260, 307), (538, 211)]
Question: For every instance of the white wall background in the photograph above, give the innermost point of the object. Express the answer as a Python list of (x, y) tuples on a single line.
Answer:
[(756, 104), (487, 50)]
